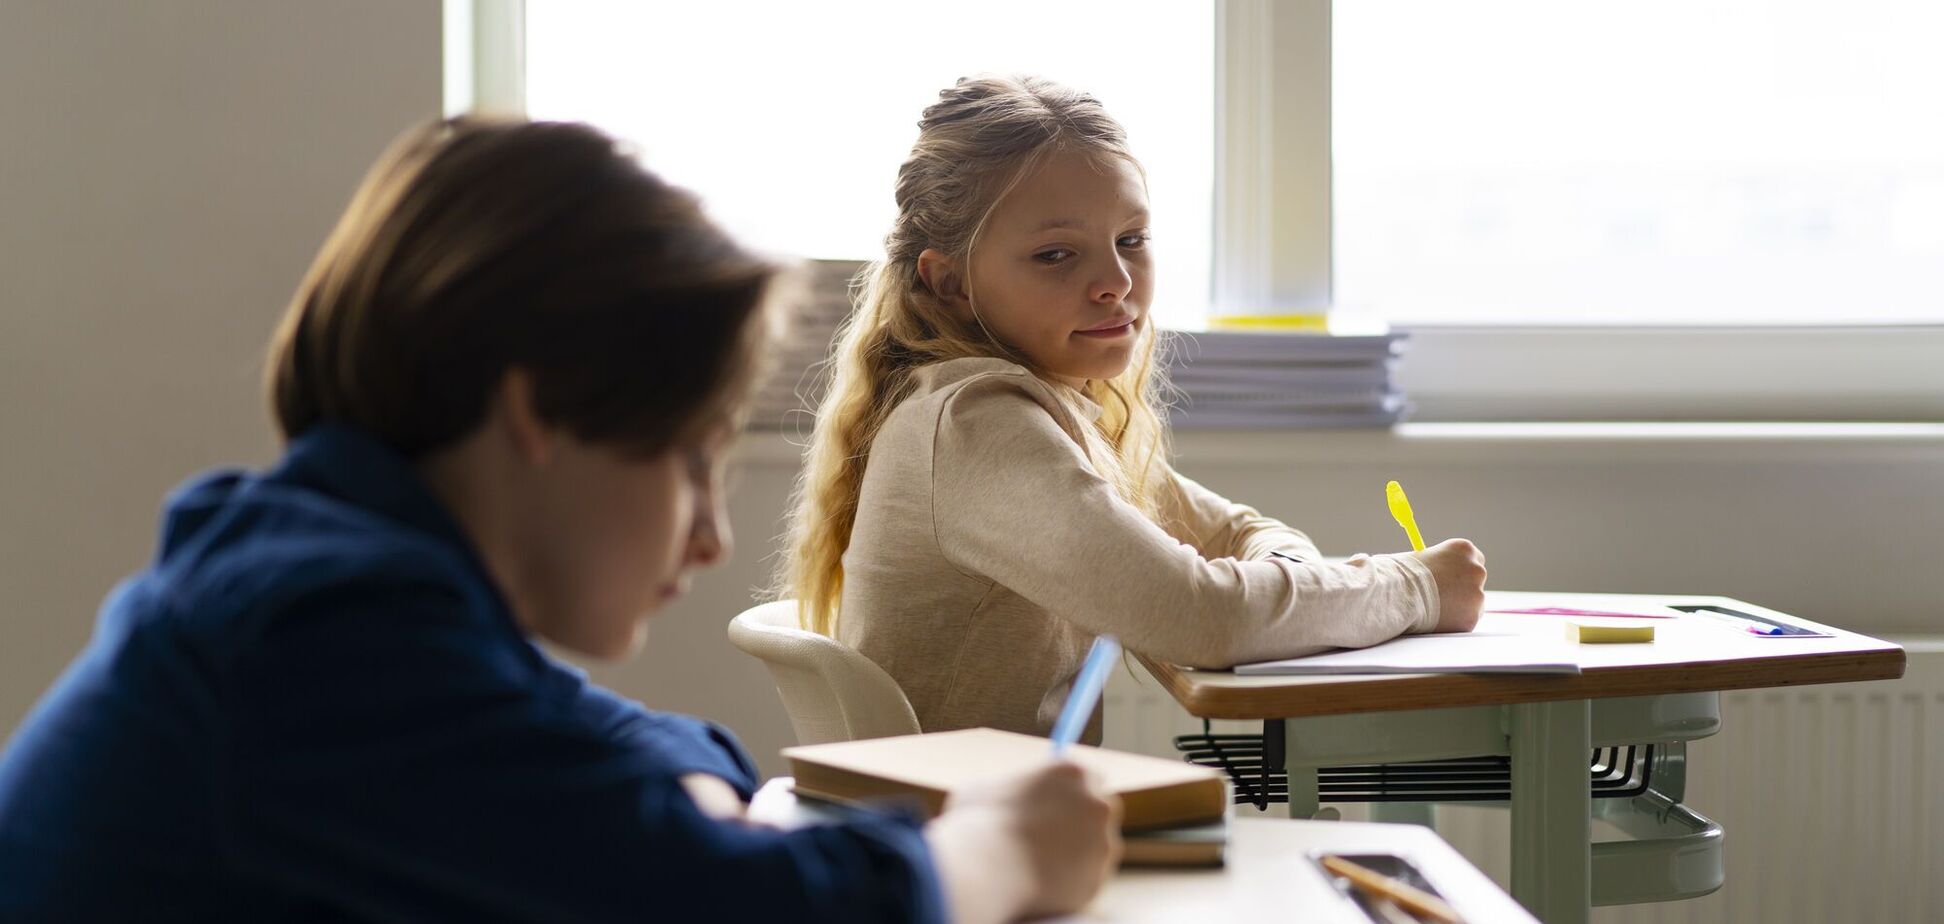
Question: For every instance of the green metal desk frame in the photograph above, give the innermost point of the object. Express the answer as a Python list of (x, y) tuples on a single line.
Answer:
[(1665, 692), (1558, 871)]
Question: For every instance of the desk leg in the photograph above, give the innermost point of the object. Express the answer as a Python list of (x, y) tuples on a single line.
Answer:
[(1305, 798), (1304, 801), (1552, 828), (1405, 813)]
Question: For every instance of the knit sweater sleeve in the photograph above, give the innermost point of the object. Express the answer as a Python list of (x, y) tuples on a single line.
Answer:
[(1017, 502), (1222, 528)]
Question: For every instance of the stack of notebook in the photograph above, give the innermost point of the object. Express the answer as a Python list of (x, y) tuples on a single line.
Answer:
[(1172, 813), (788, 399), (1272, 379)]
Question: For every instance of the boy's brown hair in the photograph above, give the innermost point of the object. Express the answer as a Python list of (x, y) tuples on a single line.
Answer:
[(478, 246)]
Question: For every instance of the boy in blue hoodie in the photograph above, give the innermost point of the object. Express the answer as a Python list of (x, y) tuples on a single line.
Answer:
[(506, 385)]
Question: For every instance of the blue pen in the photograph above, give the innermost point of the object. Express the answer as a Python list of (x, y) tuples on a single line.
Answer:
[(1749, 626), (1086, 692)]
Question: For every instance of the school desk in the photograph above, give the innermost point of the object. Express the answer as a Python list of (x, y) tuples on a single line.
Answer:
[(1269, 873), (1665, 691)]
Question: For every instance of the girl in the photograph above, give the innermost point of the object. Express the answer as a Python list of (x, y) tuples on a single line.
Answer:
[(506, 385), (988, 487)]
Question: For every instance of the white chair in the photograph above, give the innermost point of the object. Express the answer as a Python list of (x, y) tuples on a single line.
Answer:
[(831, 692)]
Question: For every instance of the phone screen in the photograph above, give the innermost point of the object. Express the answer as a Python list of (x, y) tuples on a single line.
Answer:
[(1387, 864)]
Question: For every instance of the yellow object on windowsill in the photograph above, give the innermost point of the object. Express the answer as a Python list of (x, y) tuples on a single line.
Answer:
[(1285, 323)]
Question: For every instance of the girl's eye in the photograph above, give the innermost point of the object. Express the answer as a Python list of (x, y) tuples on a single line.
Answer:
[(1050, 257), (1135, 241)]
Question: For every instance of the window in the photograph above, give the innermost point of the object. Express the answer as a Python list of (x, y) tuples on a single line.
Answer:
[(1718, 209), (791, 119), (1700, 161)]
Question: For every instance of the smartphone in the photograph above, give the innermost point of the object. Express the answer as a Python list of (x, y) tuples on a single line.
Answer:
[(1387, 864)]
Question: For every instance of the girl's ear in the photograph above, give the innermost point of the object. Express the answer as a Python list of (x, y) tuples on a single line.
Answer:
[(944, 277)]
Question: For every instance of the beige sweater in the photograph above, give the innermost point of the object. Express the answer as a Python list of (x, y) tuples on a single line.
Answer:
[(988, 552)]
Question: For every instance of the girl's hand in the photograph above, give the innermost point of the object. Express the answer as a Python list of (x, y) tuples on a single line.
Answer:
[(1459, 568)]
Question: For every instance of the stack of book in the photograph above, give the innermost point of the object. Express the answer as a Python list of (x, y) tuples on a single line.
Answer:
[(1172, 813), (1259, 379), (788, 399)]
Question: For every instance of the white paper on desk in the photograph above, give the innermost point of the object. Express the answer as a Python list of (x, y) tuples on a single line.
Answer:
[(1449, 653)]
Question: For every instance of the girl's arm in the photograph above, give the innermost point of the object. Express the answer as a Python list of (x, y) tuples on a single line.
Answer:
[(1015, 501), (1221, 528)]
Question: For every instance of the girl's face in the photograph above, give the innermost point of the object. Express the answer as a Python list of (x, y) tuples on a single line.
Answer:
[(617, 538), (1062, 272)]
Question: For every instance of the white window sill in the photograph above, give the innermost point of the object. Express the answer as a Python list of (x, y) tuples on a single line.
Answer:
[(1555, 443), (1778, 373), (1862, 374), (1918, 644), (1459, 443)]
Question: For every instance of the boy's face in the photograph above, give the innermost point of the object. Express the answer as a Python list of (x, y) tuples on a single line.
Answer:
[(1062, 272), (616, 537)]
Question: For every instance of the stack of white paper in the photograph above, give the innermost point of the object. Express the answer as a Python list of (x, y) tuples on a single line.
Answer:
[(1453, 653), (1255, 379)]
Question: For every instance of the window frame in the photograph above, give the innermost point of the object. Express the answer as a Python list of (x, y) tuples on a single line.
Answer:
[(1272, 250), (484, 56)]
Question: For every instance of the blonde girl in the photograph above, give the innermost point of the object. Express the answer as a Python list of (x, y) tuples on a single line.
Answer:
[(988, 484)]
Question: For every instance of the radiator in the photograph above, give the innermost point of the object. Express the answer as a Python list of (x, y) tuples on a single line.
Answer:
[(1832, 798)]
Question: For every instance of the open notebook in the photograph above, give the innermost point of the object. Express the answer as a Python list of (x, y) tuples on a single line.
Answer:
[(1449, 653)]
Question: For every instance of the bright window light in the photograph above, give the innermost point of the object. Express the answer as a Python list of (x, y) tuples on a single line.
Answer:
[(790, 120), (1656, 162)]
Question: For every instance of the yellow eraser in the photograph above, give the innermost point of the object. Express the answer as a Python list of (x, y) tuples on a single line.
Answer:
[(1587, 633)]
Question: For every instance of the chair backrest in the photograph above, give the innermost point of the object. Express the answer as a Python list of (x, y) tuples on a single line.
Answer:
[(831, 692)]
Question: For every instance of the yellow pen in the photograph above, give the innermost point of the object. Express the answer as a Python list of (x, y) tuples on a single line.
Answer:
[(1400, 507)]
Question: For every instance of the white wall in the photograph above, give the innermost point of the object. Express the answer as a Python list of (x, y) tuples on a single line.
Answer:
[(166, 172)]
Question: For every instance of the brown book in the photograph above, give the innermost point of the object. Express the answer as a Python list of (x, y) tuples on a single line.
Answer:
[(1193, 845), (1154, 793)]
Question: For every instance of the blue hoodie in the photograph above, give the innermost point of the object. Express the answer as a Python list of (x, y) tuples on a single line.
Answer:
[(316, 705)]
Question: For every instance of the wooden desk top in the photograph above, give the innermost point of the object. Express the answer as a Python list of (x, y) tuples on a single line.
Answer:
[(1690, 654), (1269, 877)]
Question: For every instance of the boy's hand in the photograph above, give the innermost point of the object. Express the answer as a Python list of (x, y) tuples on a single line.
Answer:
[(714, 796), (1041, 843)]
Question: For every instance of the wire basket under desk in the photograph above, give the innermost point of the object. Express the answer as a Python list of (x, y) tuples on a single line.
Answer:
[(1254, 763)]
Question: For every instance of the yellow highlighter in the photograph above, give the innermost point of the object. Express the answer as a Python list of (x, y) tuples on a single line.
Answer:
[(1400, 507)]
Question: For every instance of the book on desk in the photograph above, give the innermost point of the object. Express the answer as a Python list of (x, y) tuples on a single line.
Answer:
[(1172, 813)]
